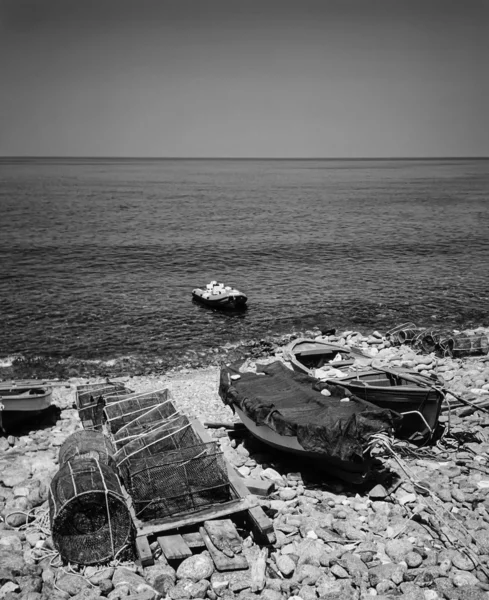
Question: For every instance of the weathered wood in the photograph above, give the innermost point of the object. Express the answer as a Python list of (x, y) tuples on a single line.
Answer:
[(144, 551), (223, 562), (174, 547), (224, 536), (258, 568), (213, 512), (193, 539)]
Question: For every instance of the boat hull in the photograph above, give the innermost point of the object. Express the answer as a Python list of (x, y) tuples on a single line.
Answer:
[(419, 404), (309, 356), (347, 471), (25, 398), (235, 300)]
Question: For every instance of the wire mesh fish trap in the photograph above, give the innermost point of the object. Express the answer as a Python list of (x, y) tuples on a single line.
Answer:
[(170, 435), (152, 419), (178, 481), (403, 334), (91, 399), (459, 346), (87, 444), (90, 520), (429, 340), (119, 413)]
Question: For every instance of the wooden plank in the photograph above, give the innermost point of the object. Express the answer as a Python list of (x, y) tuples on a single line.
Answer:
[(213, 512), (144, 551), (224, 536), (174, 547), (223, 562), (193, 539)]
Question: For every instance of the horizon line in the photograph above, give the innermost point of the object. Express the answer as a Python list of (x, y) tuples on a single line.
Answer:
[(263, 158)]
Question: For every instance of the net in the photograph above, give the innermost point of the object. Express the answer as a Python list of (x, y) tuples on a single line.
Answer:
[(90, 521), (403, 334), (119, 413), (178, 481), (459, 346), (87, 444), (152, 419), (91, 399)]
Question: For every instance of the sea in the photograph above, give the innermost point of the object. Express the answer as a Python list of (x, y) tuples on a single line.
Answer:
[(98, 257)]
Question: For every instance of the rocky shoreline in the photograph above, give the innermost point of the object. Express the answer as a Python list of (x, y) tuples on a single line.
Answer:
[(422, 534)]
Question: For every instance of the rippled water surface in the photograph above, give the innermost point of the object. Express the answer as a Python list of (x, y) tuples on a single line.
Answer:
[(99, 257)]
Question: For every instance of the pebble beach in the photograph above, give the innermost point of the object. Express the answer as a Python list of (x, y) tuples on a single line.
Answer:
[(421, 534)]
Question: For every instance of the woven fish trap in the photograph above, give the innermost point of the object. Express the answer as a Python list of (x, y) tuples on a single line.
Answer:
[(119, 413), (152, 419), (402, 334), (428, 340), (459, 346), (90, 520), (91, 399), (178, 481), (87, 444), (170, 435)]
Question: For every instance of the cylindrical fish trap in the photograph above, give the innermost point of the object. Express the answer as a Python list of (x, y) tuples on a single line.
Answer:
[(429, 340), (459, 346), (179, 481), (91, 399), (121, 412), (90, 520), (403, 334), (87, 444)]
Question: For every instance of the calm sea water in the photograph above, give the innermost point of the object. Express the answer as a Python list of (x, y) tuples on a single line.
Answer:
[(99, 257)]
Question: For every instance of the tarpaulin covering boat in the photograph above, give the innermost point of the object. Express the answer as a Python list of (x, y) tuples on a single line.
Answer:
[(281, 408)]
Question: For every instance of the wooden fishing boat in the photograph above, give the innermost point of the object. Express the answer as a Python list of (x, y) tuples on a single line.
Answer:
[(222, 298), (282, 409), (22, 399), (317, 357), (415, 397)]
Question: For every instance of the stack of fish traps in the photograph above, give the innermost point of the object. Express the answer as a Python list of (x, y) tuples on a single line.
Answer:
[(166, 468), (442, 342), (91, 399), (90, 519)]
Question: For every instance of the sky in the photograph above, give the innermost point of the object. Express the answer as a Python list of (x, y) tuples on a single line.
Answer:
[(247, 78)]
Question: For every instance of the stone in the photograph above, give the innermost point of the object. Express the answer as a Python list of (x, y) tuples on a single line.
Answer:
[(410, 591), (285, 565), (308, 574), (197, 567), (160, 576), (389, 571), (397, 549), (71, 583), (413, 559), (128, 579), (464, 578), (287, 494)]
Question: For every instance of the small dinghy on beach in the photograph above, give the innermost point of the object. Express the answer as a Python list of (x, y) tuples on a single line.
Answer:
[(281, 408), (22, 399), (217, 295), (317, 357)]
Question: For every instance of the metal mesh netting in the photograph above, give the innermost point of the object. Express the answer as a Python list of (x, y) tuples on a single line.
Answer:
[(464, 345), (90, 521), (150, 420), (87, 444), (91, 399), (404, 334), (177, 481), (172, 434), (121, 412)]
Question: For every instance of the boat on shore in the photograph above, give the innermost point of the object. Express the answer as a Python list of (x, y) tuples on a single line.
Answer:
[(23, 399), (220, 296), (415, 397), (317, 357), (281, 408)]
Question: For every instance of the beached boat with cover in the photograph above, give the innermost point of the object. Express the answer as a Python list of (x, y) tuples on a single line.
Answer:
[(281, 408), (220, 296), (417, 398)]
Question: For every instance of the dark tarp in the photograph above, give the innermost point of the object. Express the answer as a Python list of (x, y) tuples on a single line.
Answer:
[(285, 401)]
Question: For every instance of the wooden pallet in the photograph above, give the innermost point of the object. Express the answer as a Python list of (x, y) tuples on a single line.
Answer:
[(172, 532)]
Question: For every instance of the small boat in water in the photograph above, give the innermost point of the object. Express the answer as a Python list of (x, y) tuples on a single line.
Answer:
[(415, 397), (317, 357), (220, 296), (281, 408), (21, 399)]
